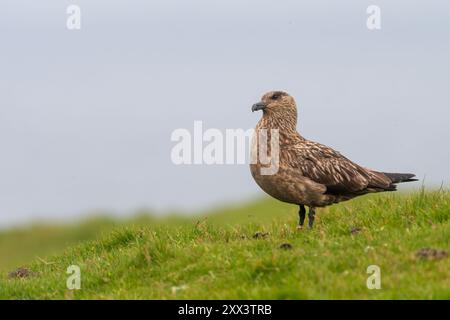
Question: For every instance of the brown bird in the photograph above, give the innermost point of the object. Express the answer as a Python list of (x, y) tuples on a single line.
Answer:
[(308, 173)]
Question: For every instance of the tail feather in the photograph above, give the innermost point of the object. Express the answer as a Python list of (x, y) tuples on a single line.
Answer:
[(400, 177)]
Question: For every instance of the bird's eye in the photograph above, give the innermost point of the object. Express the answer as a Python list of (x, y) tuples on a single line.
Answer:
[(275, 96)]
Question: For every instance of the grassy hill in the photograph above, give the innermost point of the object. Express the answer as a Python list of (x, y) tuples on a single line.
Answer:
[(251, 251)]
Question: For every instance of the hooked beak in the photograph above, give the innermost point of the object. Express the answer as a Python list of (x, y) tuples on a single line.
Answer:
[(258, 106)]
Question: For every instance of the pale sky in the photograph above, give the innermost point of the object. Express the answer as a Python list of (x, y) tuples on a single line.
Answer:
[(86, 116)]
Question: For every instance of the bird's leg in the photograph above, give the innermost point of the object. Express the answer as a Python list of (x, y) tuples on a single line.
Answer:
[(302, 215), (311, 214)]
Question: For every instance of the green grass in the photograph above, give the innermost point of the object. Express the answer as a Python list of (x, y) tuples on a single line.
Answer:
[(20, 245), (216, 257)]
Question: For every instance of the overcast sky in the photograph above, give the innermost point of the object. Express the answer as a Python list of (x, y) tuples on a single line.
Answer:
[(86, 116)]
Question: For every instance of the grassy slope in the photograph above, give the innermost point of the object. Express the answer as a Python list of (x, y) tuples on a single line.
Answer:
[(19, 245), (217, 256)]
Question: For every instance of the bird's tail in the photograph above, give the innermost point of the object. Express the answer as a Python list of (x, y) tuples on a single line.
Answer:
[(400, 177)]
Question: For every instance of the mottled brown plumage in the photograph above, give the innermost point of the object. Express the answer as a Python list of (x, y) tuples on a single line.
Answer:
[(310, 173)]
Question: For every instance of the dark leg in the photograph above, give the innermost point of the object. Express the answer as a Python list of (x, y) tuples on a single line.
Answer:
[(302, 215), (311, 214)]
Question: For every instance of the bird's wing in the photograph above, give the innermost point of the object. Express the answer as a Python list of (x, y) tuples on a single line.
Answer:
[(328, 167)]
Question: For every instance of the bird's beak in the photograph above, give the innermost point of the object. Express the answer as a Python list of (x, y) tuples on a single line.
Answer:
[(258, 106)]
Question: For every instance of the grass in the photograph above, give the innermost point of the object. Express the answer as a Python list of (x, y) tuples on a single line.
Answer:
[(217, 257)]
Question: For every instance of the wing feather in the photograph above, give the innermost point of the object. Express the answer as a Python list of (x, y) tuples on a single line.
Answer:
[(330, 168)]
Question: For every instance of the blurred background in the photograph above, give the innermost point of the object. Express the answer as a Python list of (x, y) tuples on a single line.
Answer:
[(86, 115)]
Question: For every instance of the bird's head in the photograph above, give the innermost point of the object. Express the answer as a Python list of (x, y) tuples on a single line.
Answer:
[(279, 106)]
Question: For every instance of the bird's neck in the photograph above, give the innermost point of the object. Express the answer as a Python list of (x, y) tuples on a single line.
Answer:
[(287, 126)]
